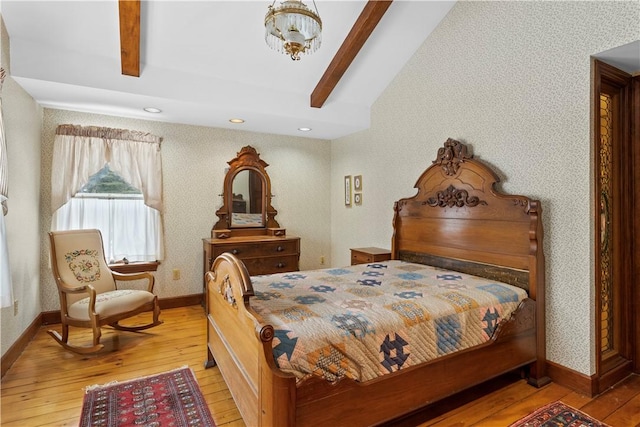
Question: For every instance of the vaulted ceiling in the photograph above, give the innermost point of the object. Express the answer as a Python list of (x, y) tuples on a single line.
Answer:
[(205, 62)]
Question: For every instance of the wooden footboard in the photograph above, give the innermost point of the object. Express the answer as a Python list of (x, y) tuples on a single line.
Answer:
[(265, 396), (241, 346)]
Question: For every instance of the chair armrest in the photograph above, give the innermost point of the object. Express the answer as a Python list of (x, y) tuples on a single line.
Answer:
[(76, 290), (136, 276)]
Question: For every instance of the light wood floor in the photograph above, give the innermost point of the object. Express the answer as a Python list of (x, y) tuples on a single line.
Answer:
[(44, 387)]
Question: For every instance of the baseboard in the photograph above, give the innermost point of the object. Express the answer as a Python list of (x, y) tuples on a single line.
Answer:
[(21, 343), (53, 317), (182, 301), (572, 379), (613, 376)]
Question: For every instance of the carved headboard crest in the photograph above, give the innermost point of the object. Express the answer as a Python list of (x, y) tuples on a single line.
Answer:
[(451, 155)]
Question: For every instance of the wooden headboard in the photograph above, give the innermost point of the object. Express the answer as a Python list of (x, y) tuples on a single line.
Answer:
[(460, 221)]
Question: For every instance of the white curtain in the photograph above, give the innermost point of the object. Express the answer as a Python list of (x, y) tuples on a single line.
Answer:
[(6, 290), (79, 152), (129, 228)]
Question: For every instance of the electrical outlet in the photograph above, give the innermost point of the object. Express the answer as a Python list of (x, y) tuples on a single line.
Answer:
[(176, 274), (321, 259), (15, 307)]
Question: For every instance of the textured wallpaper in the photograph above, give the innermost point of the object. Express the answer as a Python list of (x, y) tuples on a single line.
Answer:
[(22, 121), (512, 79), (194, 159)]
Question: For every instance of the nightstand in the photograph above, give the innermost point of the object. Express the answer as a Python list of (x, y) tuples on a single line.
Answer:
[(365, 255)]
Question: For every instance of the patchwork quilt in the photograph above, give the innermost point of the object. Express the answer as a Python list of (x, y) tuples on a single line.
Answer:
[(368, 320)]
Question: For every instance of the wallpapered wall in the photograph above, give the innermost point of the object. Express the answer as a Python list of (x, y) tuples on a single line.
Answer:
[(194, 159), (22, 120), (512, 79)]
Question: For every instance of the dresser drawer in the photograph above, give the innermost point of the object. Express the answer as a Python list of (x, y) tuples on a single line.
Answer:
[(366, 255), (264, 254), (258, 249), (271, 265)]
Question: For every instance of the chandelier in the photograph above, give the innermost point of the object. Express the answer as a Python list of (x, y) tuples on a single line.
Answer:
[(292, 28)]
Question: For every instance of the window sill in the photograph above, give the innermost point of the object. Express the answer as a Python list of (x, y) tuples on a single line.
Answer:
[(135, 267)]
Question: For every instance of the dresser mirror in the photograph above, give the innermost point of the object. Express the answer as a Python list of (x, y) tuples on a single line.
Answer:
[(246, 198)]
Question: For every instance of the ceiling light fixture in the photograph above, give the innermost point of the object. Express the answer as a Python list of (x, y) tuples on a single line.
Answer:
[(236, 121), (292, 28), (304, 129), (152, 110)]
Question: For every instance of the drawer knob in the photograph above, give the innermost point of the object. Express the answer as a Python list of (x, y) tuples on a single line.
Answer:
[(279, 249), (235, 252), (280, 265)]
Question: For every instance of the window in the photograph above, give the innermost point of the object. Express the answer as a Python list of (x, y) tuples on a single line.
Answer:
[(106, 173)]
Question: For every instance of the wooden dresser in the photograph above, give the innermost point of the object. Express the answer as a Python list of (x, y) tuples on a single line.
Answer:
[(262, 254), (246, 225)]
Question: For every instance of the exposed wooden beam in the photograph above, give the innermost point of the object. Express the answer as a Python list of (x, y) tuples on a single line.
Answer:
[(362, 29), (130, 37)]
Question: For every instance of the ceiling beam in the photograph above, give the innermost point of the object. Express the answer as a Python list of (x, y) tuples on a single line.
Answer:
[(130, 36), (360, 32)]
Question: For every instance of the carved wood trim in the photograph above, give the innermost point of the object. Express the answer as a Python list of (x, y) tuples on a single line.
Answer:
[(521, 320), (265, 333), (519, 278), (226, 290), (454, 197), (451, 156), (246, 159)]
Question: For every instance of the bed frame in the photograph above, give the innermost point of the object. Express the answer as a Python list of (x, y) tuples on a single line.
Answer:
[(458, 220)]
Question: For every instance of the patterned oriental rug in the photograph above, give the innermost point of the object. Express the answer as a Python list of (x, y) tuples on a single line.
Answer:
[(168, 399), (557, 414)]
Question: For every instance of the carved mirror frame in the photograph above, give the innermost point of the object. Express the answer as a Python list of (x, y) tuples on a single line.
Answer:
[(246, 159)]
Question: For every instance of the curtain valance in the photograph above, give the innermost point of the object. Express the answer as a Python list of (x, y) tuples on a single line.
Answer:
[(80, 152), (107, 133)]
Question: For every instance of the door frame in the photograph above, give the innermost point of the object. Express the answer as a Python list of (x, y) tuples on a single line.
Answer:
[(622, 359)]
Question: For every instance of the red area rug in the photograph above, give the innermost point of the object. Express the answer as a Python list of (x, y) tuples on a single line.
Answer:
[(557, 414), (168, 399)]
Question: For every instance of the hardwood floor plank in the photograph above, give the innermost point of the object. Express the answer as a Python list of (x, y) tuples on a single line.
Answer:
[(627, 415), (45, 386), (506, 416), (486, 405), (612, 399), (576, 400)]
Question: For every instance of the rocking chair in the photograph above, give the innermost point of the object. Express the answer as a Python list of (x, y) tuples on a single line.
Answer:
[(89, 296)]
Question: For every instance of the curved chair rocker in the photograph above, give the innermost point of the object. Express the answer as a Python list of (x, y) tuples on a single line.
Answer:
[(89, 296)]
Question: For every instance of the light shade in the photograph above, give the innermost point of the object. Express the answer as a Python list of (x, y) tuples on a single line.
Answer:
[(293, 29)]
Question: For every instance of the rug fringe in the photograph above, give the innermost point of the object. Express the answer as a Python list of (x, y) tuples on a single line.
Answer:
[(92, 387)]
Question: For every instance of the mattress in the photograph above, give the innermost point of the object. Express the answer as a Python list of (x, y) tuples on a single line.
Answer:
[(368, 320)]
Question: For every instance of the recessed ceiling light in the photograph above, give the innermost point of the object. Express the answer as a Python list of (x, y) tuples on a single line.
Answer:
[(152, 110), (304, 129), (236, 120)]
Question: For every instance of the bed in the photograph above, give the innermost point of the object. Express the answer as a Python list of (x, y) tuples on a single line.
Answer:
[(459, 223)]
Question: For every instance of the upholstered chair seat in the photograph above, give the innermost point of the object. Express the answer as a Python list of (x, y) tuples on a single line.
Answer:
[(111, 303), (88, 289)]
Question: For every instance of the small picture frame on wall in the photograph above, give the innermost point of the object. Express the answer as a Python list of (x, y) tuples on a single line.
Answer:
[(357, 183), (347, 190), (357, 198)]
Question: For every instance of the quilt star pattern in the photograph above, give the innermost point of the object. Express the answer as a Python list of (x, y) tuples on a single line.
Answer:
[(369, 320)]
